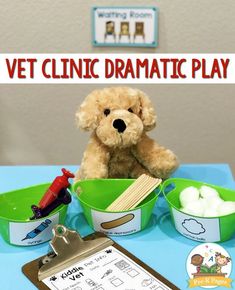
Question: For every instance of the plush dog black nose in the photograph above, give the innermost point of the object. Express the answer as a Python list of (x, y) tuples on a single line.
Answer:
[(120, 125)]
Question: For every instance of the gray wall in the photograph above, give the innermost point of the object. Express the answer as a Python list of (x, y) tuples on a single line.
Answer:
[(37, 121)]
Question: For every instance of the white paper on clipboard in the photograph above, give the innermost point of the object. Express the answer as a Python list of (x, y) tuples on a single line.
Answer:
[(109, 269)]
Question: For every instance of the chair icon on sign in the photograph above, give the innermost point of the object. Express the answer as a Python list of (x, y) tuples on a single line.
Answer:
[(139, 30), (110, 30), (124, 30)]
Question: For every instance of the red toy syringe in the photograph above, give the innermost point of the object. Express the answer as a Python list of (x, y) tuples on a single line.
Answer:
[(57, 185)]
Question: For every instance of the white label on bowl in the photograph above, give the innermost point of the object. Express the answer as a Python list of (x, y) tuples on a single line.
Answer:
[(33, 232), (117, 223), (198, 229)]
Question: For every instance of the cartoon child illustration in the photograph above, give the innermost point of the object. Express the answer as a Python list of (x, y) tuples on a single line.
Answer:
[(197, 260), (221, 261)]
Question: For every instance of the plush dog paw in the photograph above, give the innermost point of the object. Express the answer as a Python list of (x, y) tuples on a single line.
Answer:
[(166, 163), (91, 173)]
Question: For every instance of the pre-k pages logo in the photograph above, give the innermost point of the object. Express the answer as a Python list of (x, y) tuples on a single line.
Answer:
[(209, 265)]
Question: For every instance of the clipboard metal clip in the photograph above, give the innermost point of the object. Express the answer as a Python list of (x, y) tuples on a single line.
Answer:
[(70, 248)]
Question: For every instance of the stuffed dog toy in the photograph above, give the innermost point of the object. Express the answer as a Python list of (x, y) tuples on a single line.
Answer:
[(119, 146)]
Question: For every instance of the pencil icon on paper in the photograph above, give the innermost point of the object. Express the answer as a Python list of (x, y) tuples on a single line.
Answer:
[(118, 222), (37, 230)]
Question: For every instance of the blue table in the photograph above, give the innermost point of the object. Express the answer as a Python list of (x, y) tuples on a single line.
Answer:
[(159, 246)]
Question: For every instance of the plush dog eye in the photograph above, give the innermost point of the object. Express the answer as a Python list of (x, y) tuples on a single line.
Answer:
[(130, 110), (106, 112)]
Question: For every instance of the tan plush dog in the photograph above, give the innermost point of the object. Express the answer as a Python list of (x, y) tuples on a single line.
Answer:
[(119, 147)]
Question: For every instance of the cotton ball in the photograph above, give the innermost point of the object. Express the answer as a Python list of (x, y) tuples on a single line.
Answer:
[(185, 210), (214, 202), (208, 192), (226, 208), (189, 194), (194, 208), (209, 212), (204, 203)]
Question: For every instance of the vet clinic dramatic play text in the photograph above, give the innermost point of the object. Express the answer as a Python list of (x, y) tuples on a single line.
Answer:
[(46, 69)]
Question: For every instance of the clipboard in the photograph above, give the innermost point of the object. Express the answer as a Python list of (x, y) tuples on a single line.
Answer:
[(95, 263)]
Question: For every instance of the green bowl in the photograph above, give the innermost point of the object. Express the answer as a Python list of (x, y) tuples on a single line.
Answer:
[(15, 211), (214, 229), (95, 195)]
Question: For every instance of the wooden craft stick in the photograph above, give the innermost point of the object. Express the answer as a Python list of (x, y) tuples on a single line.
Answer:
[(135, 193), (125, 194), (144, 191), (126, 199), (140, 200), (134, 190)]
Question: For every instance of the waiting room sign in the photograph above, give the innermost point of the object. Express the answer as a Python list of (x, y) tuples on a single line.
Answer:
[(125, 26)]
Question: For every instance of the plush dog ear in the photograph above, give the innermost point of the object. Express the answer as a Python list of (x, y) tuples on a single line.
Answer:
[(88, 112), (147, 113)]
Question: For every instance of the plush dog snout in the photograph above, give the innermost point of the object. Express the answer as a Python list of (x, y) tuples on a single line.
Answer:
[(120, 125)]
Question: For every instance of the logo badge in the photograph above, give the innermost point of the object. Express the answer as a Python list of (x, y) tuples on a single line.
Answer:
[(209, 265)]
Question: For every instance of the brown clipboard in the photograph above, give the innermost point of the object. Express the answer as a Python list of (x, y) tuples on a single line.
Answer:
[(32, 268)]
